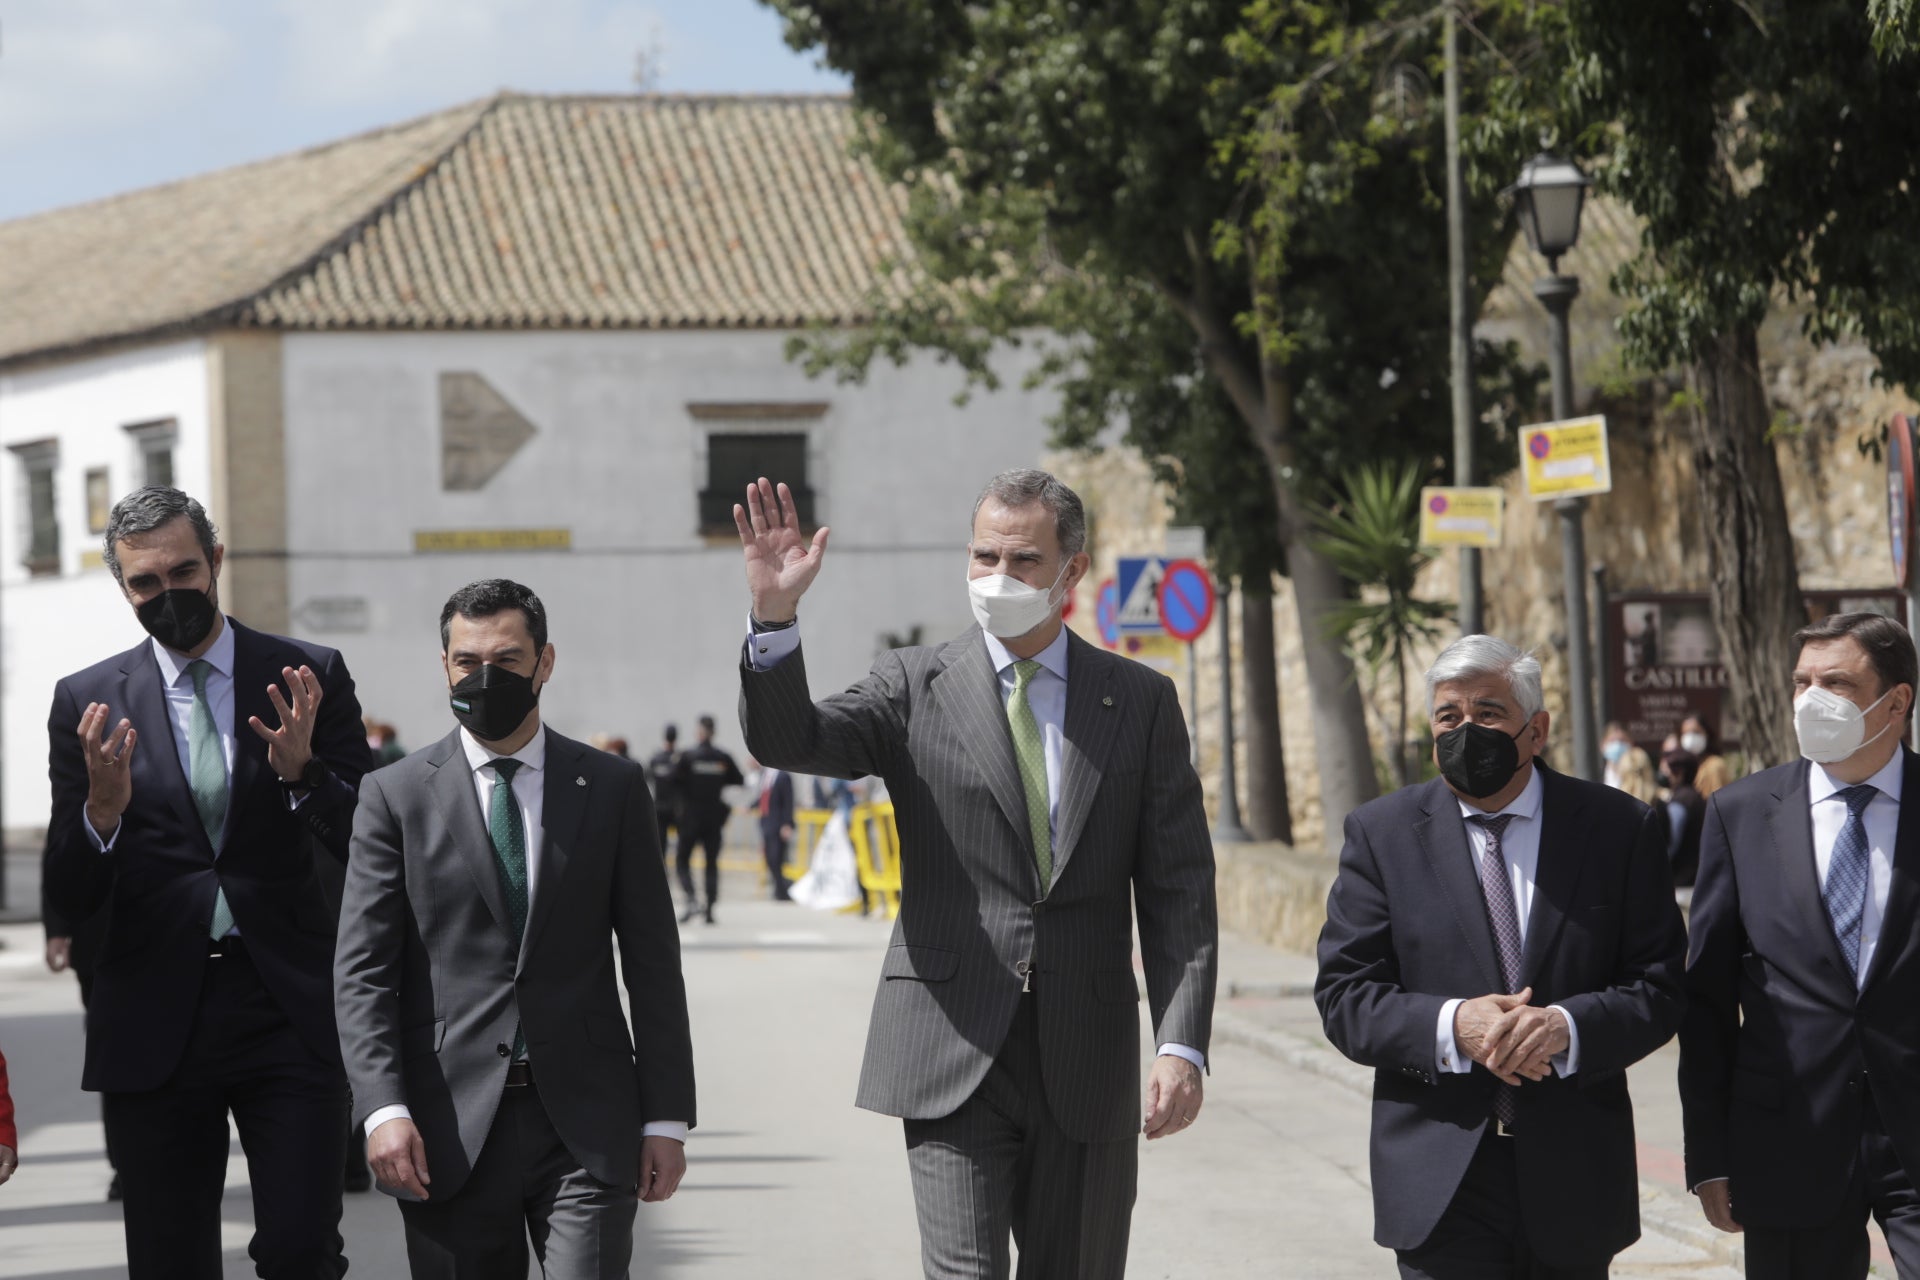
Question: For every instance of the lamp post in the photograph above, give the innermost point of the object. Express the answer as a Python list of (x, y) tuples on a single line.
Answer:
[(1548, 198), (1229, 830)]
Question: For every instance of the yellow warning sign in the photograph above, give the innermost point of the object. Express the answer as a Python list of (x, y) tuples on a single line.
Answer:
[(493, 539), (1461, 517), (1566, 459), (1157, 649)]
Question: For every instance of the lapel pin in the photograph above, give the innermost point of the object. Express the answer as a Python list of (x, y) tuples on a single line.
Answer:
[(1107, 701), (579, 782)]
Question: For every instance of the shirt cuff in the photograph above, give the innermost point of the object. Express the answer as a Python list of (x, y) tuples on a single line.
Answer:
[(1695, 1188), (1565, 1064), (768, 649), (675, 1129), (1194, 1056), (295, 801), (1447, 1058), (103, 846), (398, 1111)]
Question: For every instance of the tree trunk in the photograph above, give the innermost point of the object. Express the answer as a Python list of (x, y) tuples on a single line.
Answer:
[(1402, 767), (1755, 583), (1268, 815)]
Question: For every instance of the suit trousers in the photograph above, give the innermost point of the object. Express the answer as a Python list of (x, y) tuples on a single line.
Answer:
[(170, 1144), (1481, 1236), (1000, 1165), (774, 846), (707, 836), (525, 1183), (1839, 1250)]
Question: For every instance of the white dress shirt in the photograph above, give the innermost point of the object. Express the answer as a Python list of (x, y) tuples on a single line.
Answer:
[(529, 789), (1046, 698), (1520, 851), (1881, 818)]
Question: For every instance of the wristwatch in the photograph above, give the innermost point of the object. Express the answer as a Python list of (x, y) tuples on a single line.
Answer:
[(311, 778)]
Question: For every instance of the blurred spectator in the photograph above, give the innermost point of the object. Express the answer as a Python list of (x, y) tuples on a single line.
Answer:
[(618, 746), (700, 775), (1616, 748), (661, 770), (776, 826), (383, 740), (1686, 812), (9, 1137), (1711, 771), (76, 947)]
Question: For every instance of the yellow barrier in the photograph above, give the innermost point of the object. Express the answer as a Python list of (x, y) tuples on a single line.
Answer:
[(876, 848)]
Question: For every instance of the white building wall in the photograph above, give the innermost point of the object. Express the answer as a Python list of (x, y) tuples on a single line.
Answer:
[(51, 626), (646, 615)]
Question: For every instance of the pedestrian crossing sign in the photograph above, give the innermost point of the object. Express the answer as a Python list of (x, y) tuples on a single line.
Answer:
[(1138, 580)]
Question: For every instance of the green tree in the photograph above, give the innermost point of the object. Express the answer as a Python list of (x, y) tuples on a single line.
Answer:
[(1772, 157), (1370, 529), (1181, 203)]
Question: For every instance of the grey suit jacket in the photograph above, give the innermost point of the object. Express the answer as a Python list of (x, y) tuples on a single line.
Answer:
[(974, 919), (428, 986)]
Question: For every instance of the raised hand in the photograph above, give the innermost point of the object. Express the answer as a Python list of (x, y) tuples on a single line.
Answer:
[(781, 565), (291, 745), (109, 767)]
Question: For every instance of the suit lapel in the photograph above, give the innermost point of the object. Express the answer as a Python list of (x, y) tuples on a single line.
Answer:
[(256, 664), (144, 702), (563, 808), (1564, 832), (969, 690), (1903, 886), (1086, 741), (1799, 878), (1443, 838), (453, 791)]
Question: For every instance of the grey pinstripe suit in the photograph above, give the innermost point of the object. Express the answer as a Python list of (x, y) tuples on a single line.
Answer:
[(974, 919)]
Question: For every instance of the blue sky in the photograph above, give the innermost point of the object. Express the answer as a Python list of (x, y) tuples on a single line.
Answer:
[(103, 96)]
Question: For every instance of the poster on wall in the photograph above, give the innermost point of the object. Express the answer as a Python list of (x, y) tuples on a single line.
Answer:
[(1663, 661)]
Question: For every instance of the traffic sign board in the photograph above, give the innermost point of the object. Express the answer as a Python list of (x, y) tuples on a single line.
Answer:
[(1186, 599), (1139, 593), (1106, 606), (1460, 517), (1566, 459)]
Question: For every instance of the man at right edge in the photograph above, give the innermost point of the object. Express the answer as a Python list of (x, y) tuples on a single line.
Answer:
[(1800, 1053)]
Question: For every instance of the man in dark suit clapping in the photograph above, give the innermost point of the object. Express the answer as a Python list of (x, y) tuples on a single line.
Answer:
[(188, 775), (1800, 1055), (1501, 944)]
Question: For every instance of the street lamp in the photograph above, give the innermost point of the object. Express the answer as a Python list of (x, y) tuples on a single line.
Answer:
[(1548, 198)]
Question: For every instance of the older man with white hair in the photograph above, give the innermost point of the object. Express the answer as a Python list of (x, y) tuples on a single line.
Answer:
[(1501, 944)]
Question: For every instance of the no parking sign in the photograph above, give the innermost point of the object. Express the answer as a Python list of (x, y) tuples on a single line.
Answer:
[(1186, 599)]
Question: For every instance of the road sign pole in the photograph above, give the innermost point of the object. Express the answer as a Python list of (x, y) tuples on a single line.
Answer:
[(1193, 707), (1228, 830)]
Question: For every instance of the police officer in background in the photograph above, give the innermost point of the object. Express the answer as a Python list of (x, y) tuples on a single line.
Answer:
[(701, 774), (661, 769)]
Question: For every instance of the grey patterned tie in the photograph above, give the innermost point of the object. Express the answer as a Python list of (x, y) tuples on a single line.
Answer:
[(1497, 889), (207, 779), (1848, 875)]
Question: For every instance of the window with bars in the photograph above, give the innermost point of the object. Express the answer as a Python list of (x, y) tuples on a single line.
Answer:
[(39, 465), (155, 442), (736, 459)]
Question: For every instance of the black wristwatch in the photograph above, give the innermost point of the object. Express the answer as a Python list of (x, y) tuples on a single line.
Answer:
[(761, 628), (311, 778)]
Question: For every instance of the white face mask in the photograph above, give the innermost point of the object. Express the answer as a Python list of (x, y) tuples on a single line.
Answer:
[(1007, 607), (1693, 743), (1830, 727)]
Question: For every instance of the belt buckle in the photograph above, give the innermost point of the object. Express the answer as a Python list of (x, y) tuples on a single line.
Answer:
[(1502, 1129)]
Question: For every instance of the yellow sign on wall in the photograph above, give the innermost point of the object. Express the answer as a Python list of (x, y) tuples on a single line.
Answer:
[(1566, 459), (1461, 517), (493, 540)]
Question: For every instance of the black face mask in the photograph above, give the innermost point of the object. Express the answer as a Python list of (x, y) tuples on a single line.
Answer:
[(179, 617), (493, 702), (1477, 761)]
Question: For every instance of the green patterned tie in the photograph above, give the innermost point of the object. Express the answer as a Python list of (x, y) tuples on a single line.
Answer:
[(207, 767), (1031, 755), (509, 833)]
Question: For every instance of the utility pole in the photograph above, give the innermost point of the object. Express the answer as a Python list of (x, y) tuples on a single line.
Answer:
[(1460, 315)]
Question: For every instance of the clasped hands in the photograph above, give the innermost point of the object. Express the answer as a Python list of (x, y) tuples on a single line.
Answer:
[(397, 1155), (1509, 1037)]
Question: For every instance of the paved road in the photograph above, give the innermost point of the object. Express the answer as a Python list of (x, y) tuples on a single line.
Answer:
[(787, 1179)]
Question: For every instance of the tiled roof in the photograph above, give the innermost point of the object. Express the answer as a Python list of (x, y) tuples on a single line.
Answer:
[(517, 212)]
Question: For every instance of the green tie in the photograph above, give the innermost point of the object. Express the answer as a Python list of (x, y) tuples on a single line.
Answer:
[(207, 767), (509, 833), (1031, 755)]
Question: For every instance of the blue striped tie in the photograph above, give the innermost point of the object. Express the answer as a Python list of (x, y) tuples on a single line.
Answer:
[(1848, 874)]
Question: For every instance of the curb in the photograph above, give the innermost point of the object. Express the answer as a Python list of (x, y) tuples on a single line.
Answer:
[(1661, 1209)]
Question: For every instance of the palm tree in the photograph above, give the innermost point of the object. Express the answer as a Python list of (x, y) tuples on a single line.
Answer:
[(1370, 530)]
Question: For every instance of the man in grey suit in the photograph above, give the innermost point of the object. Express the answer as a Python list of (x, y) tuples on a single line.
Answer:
[(1044, 796), (490, 875)]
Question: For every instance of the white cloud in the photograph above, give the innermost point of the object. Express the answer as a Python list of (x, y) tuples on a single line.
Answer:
[(445, 51), (70, 67)]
